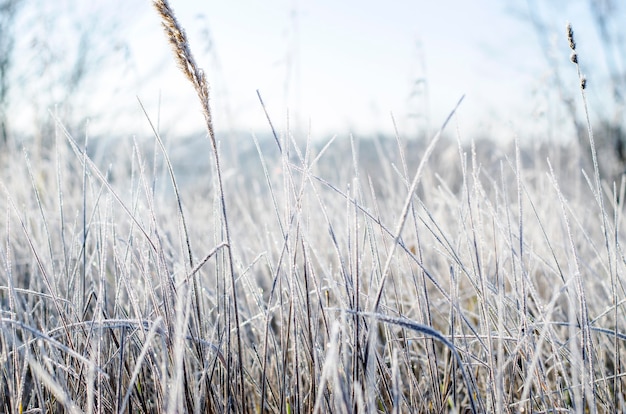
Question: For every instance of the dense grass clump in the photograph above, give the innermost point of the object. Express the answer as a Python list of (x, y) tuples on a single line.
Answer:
[(340, 278)]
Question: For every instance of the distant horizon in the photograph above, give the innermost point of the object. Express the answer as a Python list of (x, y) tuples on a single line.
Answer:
[(328, 68)]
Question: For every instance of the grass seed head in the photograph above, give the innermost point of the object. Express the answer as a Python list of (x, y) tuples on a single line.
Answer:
[(570, 36), (180, 45)]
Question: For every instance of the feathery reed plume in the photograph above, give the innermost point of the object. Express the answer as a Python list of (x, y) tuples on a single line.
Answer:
[(182, 52), (180, 47)]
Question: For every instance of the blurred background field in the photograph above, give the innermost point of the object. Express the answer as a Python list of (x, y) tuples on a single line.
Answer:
[(323, 68)]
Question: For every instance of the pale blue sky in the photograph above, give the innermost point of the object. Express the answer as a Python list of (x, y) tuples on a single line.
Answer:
[(344, 66)]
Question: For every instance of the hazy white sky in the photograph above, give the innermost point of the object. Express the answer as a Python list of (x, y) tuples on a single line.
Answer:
[(345, 66)]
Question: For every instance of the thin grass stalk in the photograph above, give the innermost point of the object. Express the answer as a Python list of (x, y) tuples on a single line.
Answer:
[(477, 242), (426, 307), (375, 218), (401, 221), (170, 170), (185, 235), (270, 187), (276, 279), (182, 52), (164, 274), (454, 289), (501, 290), (530, 347), (46, 278), (14, 304), (54, 387), (284, 251), (356, 271), (83, 277), (44, 219), (431, 332), (329, 367), (293, 212), (616, 383), (269, 120), (102, 178), (309, 327), (65, 266), (587, 346), (586, 376), (395, 383), (407, 203), (93, 335), (351, 338), (423, 302)]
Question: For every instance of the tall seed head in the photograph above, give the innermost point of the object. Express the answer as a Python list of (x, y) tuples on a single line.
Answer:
[(180, 46), (570, 36)]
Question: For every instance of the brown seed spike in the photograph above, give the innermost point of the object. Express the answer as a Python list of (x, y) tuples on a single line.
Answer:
[(570, 37), (574, 57)]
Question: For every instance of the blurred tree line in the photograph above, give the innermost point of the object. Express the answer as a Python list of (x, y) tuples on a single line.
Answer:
[(8, 10), (51, 56)]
